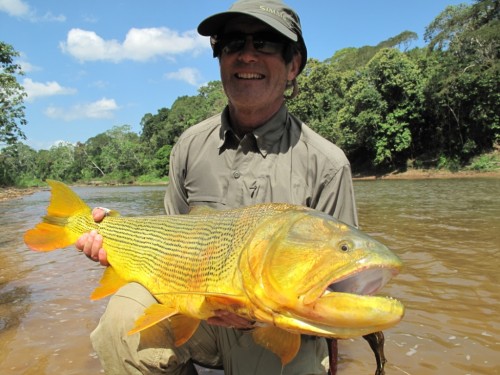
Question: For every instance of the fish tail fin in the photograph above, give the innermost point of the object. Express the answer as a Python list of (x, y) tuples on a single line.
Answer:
[(58, 229)]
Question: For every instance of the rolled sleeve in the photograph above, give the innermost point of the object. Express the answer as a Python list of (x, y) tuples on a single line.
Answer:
[(337, 197), (176, 200)]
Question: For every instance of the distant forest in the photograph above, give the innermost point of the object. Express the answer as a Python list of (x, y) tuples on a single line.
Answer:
[(387, 106)]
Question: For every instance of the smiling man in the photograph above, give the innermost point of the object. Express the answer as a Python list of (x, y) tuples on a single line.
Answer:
[(255, 151)]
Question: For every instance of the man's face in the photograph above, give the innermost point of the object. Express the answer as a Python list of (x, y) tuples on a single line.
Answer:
[(254, 78)]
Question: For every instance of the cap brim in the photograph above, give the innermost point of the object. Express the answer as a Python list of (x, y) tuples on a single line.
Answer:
[(214, 24)]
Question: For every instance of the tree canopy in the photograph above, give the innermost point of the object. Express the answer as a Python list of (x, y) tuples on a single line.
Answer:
[(12, 96), (387, 106)]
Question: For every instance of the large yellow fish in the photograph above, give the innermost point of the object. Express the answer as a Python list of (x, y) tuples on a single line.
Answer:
[(292, 269)]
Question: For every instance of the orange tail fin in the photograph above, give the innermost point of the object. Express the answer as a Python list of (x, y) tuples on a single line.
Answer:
[(53, 232)]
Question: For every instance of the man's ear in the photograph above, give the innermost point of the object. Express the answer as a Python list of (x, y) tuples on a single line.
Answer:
[(295, 66)]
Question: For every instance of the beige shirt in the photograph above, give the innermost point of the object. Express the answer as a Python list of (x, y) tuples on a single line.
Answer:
[(281, 161)]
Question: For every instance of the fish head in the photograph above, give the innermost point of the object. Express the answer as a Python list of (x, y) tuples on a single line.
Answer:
[(317, 275)]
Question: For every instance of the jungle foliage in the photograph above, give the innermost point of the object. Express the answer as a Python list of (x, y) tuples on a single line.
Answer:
[(387, 106)]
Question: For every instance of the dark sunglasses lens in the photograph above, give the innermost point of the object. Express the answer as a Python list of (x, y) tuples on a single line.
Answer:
[(266, 46), (233, 45), (264, 43)]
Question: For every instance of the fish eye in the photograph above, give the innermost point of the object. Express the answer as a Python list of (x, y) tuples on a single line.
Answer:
[(345, 246)]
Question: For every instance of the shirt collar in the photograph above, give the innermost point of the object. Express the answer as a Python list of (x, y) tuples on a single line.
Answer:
[(226, 132), (266, 136)]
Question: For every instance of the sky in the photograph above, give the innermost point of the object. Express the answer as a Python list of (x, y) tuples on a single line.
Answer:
[(92, 64)]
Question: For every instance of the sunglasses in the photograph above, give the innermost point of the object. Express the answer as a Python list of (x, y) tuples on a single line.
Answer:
[(264, 42)]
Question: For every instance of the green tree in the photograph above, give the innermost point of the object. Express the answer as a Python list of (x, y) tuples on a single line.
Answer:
[(185, 112), (382, 109), (12, 96), (358, 119), (162, 160), (356, 58), (214, 98), (154, 133), (320, 98), (18, 165), (463, 91), (122, 158), (398, 80), (62, 159), (94, 148)]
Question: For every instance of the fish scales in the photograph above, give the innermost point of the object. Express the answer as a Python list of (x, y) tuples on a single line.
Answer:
[(292, 269), (176, 251)]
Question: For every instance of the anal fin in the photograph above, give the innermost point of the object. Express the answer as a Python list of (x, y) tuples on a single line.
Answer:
[(183, 327), (282, 343), (153, 314), (109, 284)]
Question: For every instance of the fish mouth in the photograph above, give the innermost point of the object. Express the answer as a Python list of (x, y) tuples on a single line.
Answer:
[(347, 307), (367, 281)]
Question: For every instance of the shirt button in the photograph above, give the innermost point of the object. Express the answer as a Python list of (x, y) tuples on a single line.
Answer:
[(236, 174)]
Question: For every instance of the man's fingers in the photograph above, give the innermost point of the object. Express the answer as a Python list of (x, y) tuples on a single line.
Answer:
[(98, 214), (80, 242), (93, 243), (230, 320), (103, 259)]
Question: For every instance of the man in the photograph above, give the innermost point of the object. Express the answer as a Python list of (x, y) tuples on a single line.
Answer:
[(254, 152)]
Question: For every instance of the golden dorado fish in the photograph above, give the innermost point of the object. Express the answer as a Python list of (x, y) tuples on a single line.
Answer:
[(292, 269)]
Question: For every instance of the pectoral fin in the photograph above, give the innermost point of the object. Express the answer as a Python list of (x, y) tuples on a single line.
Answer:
[(109, 284), (153, 314), (282, 343), (225, 300)]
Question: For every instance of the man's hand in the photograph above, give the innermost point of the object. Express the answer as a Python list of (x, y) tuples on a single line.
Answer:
[(91, 243), (230, 320)]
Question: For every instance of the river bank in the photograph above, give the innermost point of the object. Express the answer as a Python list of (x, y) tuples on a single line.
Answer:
[(13, 192), (7, 193), (421, 174)]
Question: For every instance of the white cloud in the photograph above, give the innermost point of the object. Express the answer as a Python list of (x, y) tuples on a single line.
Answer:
[(99, 84), (39, 89), (89, 18), (139, 44), (189, 75), (27, 67), (101, 109), (49, 17), (19, 8), (15, 8)]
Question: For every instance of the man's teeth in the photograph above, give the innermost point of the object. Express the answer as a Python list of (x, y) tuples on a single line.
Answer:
[(249, 76)]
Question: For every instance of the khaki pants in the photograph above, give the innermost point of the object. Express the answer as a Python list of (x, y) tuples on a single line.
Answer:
[(153, 352)]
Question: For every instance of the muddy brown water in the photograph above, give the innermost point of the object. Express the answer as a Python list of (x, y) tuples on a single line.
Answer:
[(447, 233)]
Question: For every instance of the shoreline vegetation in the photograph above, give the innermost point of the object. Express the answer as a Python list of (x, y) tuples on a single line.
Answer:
[(8, 193), (397, 111)]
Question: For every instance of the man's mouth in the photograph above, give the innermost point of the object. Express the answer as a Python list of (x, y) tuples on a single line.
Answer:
[(249, 76)]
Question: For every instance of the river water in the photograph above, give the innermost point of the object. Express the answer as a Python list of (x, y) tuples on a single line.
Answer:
[(447, 233)]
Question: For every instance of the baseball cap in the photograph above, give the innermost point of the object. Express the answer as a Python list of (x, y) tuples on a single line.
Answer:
[(274, 13)]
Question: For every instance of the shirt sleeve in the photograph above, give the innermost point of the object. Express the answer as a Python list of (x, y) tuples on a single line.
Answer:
[(176, 201), (336, 197)]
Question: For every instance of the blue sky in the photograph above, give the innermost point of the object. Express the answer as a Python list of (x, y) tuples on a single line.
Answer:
[(93, 64)]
